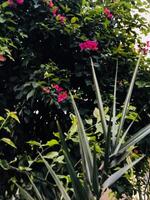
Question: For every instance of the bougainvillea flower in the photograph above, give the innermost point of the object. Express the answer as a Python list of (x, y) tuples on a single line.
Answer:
[(110, 16), (106, 11), (54, 11), (57, 88), (89, 45), (10, 2), (46, 90), (61, 18), (148, 44), (51, 5), (20, 2), (62, 96), (2, 58)]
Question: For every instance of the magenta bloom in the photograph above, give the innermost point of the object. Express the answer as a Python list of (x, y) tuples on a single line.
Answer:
[(46, 90), (110, 16), (148, 44), (51, 5), (20, 2), (61, 18), (57, 88), (108, 13), (10, 2), (62, 96), (89, 45), (54, 11)]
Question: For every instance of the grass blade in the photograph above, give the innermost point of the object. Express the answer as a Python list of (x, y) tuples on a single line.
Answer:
[(86, 154), (114, 177), (56, 179), (127, 100), (99, 99)]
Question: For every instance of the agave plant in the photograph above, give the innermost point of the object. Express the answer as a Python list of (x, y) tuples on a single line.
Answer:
[(116, 148)]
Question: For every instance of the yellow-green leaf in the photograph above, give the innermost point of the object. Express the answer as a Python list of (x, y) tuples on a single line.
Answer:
[(14, 116), (9, 142), (74, 19), (51, 143)]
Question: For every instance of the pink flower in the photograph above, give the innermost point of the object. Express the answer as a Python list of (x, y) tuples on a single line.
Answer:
[(46, 90), (10, 2), (57, 88), (148, 44), (89, 45), (51, 5), (62, 96), (106, 11), (145, 50), (2, 58), (110, 16), (54, 11), (61, 18), (20, 2)]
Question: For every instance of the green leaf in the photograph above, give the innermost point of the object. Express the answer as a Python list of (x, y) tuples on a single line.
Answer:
[(95, 181), (22, 168), (99, 99), (4, 5), (24, 193), (127, 100), (114, 108), (2, 20), (137, 137), (80, 193), (51, 143), (51, 155), (2, 118), (122, 139), (36, 189), (7, 129), (34, 143), (86, 154), (96, 114), (74, 19), (4, 164), (14, 116), (56, 179), (114, 177), (9, 142), (30, 94)]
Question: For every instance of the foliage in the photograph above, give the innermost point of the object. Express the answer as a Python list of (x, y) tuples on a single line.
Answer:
[(94, 183), (41, 59)]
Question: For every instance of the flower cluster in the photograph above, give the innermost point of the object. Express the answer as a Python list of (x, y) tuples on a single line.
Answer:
[(108, 13), (89, 45), (58, 93), (12, 2), (55, 10)]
